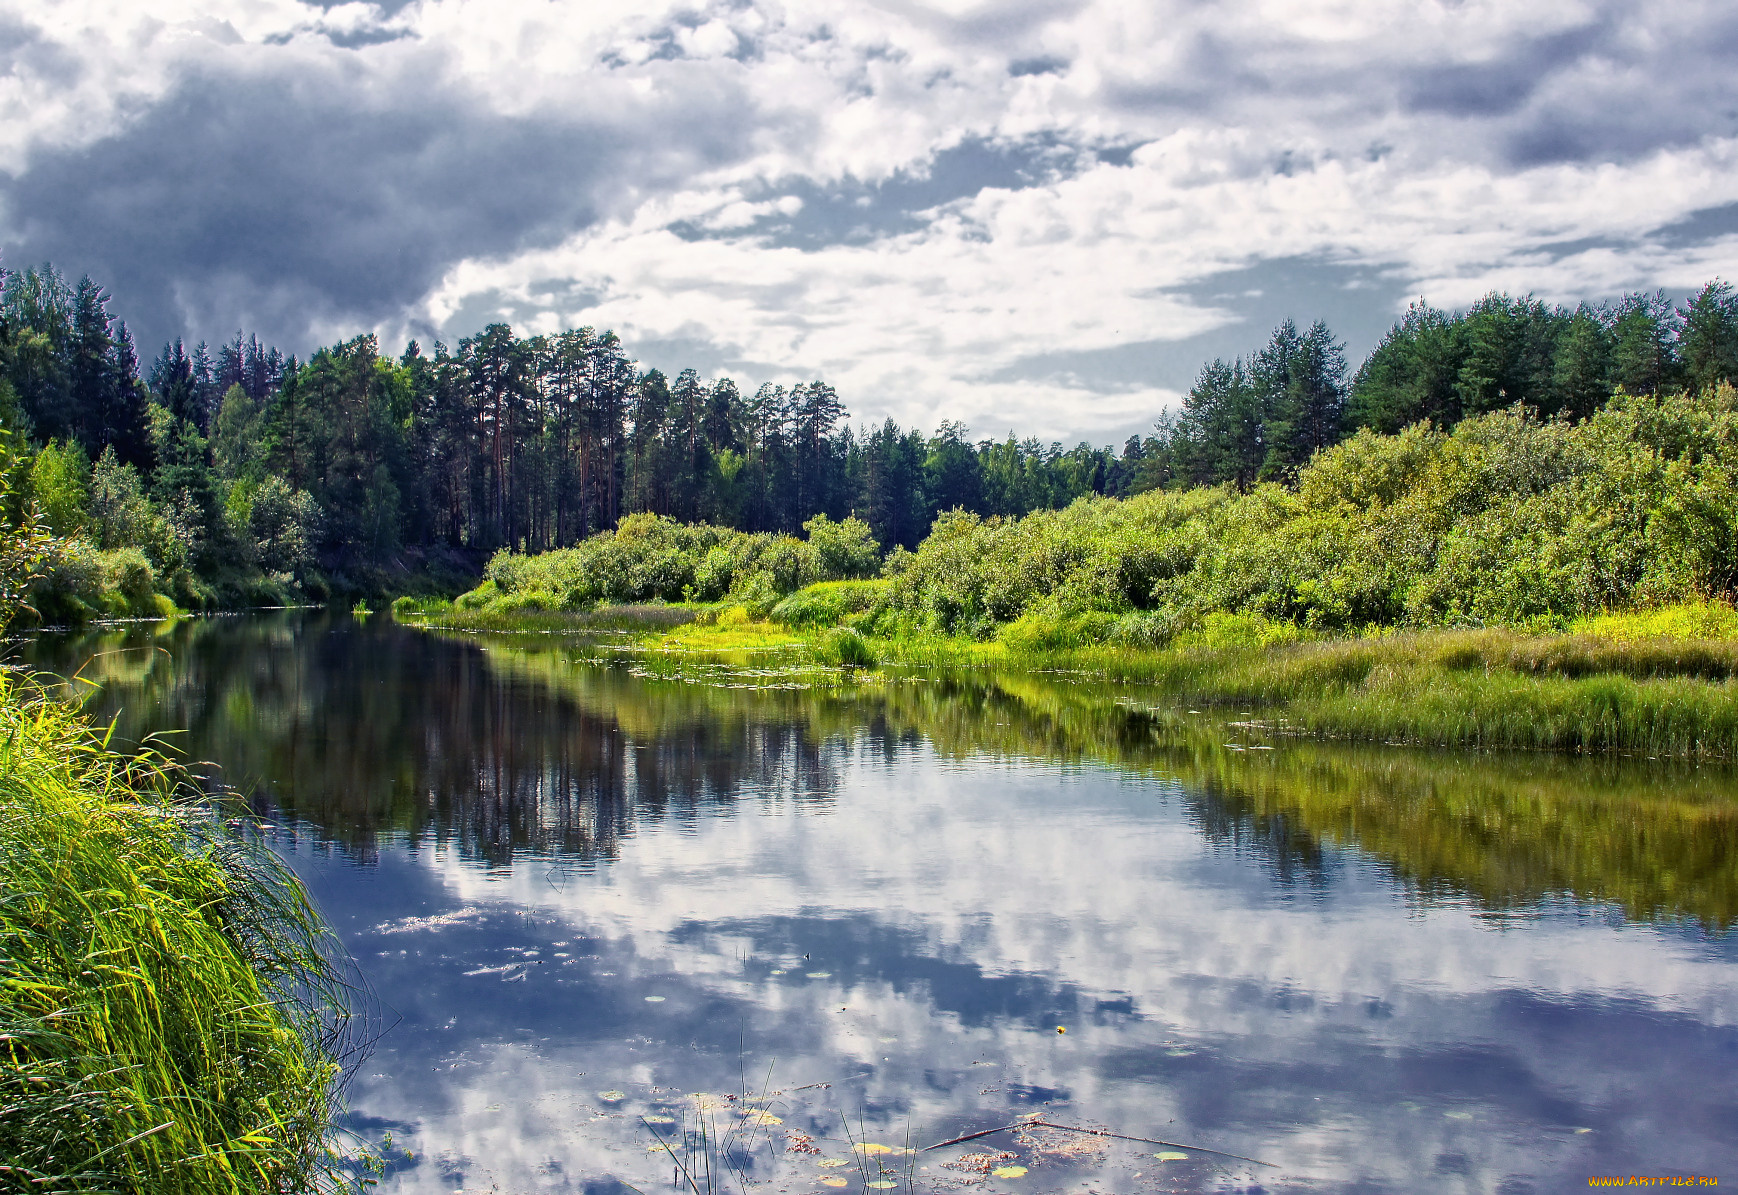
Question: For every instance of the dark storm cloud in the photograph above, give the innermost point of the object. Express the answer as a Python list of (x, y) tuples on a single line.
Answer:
[(285, 199)]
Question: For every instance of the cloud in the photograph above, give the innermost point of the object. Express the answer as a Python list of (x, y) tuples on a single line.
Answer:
[(951, 209)]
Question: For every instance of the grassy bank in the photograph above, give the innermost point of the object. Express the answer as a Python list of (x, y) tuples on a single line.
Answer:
[(1663, 682), (169, 1010)]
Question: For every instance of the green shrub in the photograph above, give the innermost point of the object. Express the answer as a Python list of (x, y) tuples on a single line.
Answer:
[(1506, 520), (650, 558), (480, 597), (828, 603), (1048, 629), (844, 646)]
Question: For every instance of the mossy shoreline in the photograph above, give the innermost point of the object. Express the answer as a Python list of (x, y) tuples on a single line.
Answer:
[(1661, 683), (172, 1007)]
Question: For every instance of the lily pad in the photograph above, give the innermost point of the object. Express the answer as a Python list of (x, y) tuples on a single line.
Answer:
[(760, 1116), (654, 999), (1171, 1155), (612, 1097), (833, 1163), (882, 1184), (658, 1118), (834, 1182), (1009, 1172), (820, 974), (870, 1148)]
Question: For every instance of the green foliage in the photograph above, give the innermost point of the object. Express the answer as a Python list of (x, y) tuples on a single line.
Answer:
[(1688, 620), (235, 446), (60, 479), (828, 603), (24, 541), (1506, 520), (844, 646), (653, 558), (1048, 630), (121, 515), (78, 582), (168, 1004)]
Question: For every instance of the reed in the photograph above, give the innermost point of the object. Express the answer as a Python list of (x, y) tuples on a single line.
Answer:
[(171, 1008)]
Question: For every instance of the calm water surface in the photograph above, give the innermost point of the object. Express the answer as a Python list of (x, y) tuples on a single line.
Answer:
[(584, 897)]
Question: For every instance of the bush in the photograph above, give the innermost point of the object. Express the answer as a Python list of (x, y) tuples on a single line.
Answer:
[(1050, 630), (1506, 520), (650, 558), (828, 603), (844, 646)]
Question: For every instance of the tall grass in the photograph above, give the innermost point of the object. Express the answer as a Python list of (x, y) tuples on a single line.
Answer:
[(170, 1008)]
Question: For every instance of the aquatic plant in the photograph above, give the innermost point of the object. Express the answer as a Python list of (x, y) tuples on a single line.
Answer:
[(171, 1008), (844, 646)]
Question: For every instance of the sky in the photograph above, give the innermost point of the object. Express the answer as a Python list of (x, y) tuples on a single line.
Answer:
[(1035, 215)]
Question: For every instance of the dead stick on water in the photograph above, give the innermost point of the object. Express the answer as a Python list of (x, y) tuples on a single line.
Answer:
[(1068, 1128), (973, 1136)]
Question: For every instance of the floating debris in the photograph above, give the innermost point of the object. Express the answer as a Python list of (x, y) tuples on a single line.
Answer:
[(439, 921)]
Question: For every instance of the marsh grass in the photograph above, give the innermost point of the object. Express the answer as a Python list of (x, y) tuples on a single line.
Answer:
[(171, 1011), (1484, 688), (1619, 683)]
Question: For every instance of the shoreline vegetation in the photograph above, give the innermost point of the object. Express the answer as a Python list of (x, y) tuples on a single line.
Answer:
[(172, 1008), (236, 476), (1513, 583)]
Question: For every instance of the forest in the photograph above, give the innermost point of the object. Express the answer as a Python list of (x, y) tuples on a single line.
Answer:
[(237, 476)]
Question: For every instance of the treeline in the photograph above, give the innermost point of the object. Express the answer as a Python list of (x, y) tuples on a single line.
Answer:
[(1508, 520), (1261, 418), (241, 475)]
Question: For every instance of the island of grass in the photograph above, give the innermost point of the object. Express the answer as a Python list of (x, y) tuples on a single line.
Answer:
[(1511, 583), (169, 1007)]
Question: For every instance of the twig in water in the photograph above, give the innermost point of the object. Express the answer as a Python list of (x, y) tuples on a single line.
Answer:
[(974, 1136), (1069, 1128)]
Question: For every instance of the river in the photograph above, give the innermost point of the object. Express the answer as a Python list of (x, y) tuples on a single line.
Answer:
[(790, 926)]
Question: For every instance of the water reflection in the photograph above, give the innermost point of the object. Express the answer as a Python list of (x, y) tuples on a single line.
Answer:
[(1381, 970)]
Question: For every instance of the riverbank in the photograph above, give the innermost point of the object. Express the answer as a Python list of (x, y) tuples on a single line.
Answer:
[(170, 1007), (1661, 683)]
